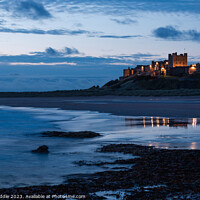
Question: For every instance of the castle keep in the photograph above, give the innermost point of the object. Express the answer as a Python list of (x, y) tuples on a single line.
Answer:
[(176, 65), (177, 60)]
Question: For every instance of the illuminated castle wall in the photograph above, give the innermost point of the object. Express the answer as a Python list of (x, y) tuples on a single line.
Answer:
[(128, 72), (177, 60), (176, 65)]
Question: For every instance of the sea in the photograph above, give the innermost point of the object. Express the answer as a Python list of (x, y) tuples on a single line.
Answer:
[(21, 128)]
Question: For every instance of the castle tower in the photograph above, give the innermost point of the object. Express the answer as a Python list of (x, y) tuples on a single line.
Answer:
[(128, 72), (177, 60)]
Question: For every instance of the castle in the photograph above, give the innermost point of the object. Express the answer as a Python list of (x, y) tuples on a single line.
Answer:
[(176, 65)]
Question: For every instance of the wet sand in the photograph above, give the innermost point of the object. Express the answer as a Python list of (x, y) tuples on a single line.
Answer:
[(117, 105), (155, 174)]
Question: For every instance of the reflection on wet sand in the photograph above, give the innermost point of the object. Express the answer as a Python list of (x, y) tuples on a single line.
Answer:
[(161, 121), (192, 145), (159, 145), (194, 122)]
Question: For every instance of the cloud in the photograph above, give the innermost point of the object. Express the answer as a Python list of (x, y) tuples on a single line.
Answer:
[(64, 32), (144, 58), (37, 9), (51, 55), (125, 7), (120, 37), (171, 33), (125, 21), (53, 52), (138, 56), (42, 64), (44, 32), (2, 21), (168, 32), (30, 9), (120, 64), (70, 51)]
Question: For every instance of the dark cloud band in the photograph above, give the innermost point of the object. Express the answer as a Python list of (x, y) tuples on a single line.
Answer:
[(44, 32), (120, 36), (29, 9), (32, 10), (125, 21), (171, 33)]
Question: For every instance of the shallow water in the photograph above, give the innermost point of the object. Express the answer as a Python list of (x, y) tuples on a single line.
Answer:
[(20, 130)]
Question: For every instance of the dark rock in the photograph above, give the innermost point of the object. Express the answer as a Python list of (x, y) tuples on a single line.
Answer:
[(80, 134), (156, 174), (41, 149)]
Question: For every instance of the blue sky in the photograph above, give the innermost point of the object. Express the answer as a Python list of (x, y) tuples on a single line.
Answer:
[(73, 44)]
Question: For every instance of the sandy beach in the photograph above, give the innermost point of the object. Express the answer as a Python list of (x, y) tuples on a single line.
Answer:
[(152, 173), (117, 105)]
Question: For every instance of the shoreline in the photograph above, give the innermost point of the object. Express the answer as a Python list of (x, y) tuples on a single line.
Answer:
[(94, 91), (154, 174), (187, 107)]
